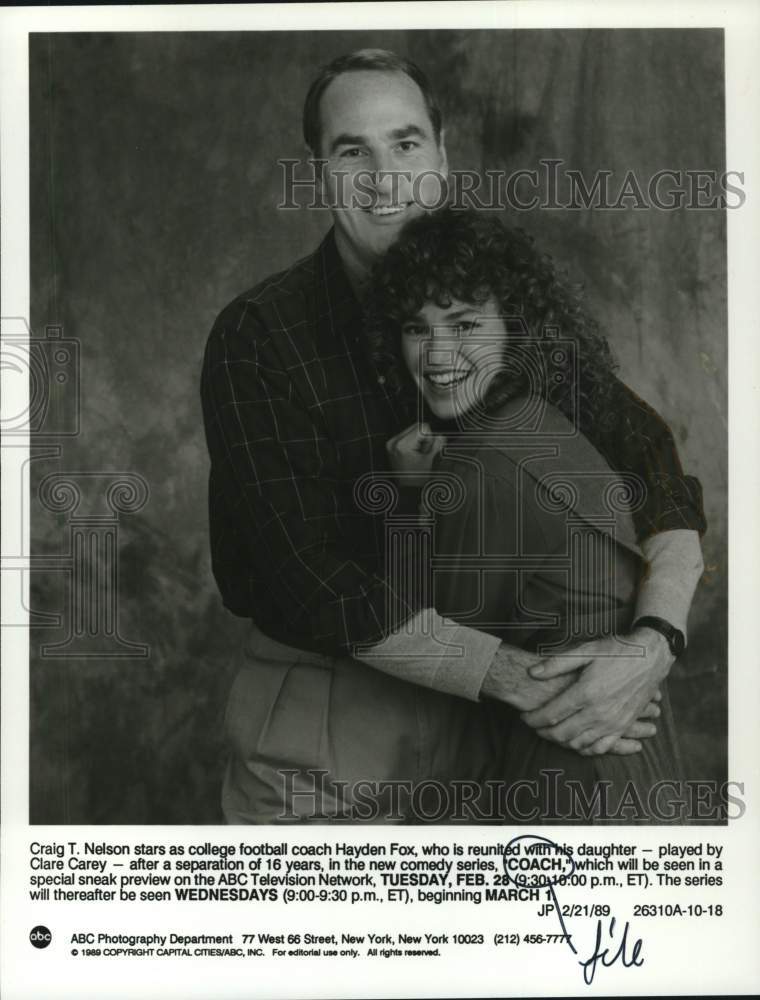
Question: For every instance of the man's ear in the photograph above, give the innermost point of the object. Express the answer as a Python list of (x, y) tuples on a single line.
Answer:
[(318, 171), (444, 155)]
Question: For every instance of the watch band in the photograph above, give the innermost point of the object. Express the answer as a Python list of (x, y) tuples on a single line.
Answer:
[(674, 636)]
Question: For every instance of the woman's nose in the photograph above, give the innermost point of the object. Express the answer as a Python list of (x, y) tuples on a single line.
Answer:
[(441, 353), (445, 332)]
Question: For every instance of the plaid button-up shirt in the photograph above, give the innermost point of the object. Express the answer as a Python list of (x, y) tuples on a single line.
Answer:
[(294, 413)]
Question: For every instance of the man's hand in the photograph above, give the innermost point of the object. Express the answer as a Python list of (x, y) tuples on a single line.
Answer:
[(610, 700), (413, 451), (508, 680)]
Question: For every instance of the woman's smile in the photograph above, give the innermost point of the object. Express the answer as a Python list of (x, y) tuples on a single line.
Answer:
[(443, 380)]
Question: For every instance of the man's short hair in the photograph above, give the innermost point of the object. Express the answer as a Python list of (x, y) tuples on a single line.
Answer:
[(380, 60)]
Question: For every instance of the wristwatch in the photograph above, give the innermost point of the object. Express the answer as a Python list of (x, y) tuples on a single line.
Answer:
[(675, 637)]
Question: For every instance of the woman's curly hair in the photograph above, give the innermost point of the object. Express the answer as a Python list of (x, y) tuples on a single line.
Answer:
[(471, 256)]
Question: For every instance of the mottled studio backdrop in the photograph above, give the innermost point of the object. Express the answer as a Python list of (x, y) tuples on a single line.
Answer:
[(154, 187)]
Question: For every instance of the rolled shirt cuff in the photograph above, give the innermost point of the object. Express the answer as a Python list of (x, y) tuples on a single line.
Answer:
[(674, 568), (435, 652)]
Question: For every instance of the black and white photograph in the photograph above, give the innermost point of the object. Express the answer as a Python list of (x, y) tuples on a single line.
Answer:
[(366, 445), (494, 260)]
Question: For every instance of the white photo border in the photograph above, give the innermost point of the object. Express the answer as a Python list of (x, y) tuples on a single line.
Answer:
[(725, 960)]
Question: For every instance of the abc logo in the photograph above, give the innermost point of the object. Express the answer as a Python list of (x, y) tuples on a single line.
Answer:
[(40, 936)]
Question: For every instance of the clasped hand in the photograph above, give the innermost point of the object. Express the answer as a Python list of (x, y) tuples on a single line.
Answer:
[(613, 696)]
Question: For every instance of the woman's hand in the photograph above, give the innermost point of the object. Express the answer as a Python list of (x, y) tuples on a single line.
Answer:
[(413, 451), (610, 700)]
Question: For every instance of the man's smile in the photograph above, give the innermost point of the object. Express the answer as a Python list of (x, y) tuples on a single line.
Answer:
[(386, 211)]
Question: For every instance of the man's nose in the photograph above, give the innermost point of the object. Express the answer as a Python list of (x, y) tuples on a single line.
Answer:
[(383, 172)]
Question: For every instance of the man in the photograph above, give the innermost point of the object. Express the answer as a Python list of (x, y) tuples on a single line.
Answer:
[(344, 680)]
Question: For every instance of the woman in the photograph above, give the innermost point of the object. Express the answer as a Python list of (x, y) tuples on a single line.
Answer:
[(554, 457)]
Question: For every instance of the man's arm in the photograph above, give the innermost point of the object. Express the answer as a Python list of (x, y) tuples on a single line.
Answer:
[(282, 476), (437, 652), (505, 671), (633, 437), (674, 567)]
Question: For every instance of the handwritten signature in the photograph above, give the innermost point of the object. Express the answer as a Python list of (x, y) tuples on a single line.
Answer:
[(526, 876)]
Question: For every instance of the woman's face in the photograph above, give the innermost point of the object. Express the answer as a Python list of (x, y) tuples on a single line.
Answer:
[(453, 354)]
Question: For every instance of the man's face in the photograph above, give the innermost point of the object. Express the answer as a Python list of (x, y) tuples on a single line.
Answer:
[(377, 137), (453, 354)]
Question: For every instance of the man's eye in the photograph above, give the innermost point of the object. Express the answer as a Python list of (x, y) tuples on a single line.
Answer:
[(351, 154), (408, 145)]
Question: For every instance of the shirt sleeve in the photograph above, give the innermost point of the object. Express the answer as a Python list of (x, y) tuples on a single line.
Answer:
[(435, 652), (638, 440), (674, 566)]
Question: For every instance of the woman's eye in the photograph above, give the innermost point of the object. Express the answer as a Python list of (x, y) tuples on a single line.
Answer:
[(467, 327), (414, 330)]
